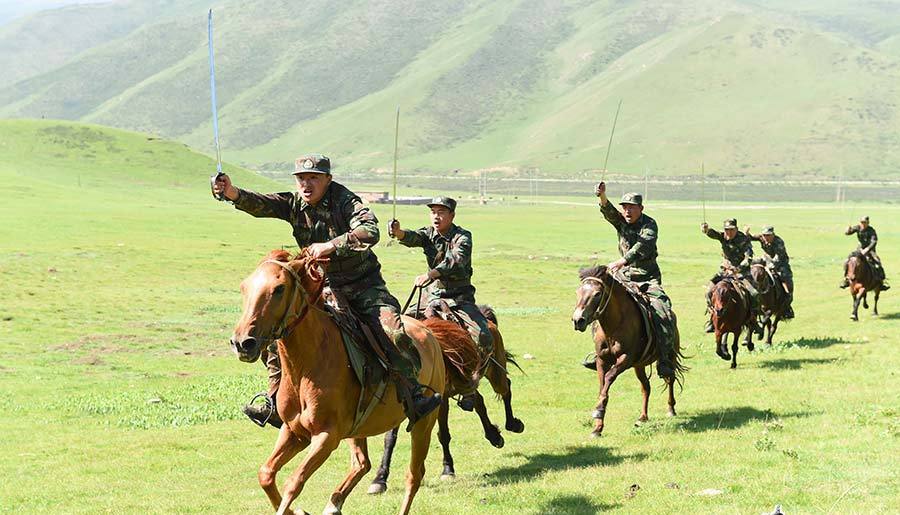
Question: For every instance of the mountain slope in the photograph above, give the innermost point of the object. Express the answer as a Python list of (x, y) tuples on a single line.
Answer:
[(749, 86)]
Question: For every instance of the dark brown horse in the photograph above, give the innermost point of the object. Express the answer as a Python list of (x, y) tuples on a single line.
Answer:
[(772, 299), (319, 393), (465, 368), (620, 338), (862, 281), (731, 314)]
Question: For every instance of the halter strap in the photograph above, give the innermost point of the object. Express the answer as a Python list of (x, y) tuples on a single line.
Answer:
[(284, 328), (603, 301)]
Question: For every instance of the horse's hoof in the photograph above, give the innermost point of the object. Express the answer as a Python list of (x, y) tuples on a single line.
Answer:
[(377, 488), (726, 357), (515, 426), (448, 477), (331, 510), (496, 440), (671, 413), (855, 319), (750, 346), (596, 434), (733, 366)]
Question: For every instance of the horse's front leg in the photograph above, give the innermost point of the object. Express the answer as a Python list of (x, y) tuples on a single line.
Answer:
[(722, 347), (609, 375), (286, 447), (875, 307), (854, 315), (491, 431), (513, 424), (641, 374), (449, 471), (379, 484), (359, 467), (321, 447)]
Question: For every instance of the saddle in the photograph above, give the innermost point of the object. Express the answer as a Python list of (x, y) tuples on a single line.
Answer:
[(364, 351), (653, 321)]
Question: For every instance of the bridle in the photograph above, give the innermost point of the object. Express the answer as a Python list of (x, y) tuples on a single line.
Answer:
[(604, 301), (284, 328)]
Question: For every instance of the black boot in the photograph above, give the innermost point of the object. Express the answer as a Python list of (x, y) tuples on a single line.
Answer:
[(665, 369), (845, 283), (420, 405), (788, 313), (709, 326), (884, 285), (590, 361), (262, 414)]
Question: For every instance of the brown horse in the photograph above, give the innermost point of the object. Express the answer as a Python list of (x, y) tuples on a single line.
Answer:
[(318, 395), (465, 368), (862, 281), (772, 299), (730, 315), (620, 338)]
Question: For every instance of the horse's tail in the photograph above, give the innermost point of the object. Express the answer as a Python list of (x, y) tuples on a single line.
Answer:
[(511, 358), (489, 313)]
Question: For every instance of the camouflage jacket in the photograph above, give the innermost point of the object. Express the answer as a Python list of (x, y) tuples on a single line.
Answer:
[(340, 217), (451, 255), (776, 250), (637, 244), (737, 251), (868, 238)]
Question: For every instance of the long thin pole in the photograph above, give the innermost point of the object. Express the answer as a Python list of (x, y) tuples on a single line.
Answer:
[(215, 112), (609, 145), (703, 189), (396, 143)]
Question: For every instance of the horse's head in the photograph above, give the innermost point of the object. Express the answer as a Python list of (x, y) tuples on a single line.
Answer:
[(593, 291), (276, 296), (759, 273)]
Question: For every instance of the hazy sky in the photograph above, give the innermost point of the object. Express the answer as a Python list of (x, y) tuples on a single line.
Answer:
[(11, 9)]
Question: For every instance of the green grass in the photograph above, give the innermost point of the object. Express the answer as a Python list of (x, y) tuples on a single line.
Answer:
[(121, 395), (754, 88)]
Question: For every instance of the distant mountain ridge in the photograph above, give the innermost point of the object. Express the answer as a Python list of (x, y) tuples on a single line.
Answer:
[(750, 87)]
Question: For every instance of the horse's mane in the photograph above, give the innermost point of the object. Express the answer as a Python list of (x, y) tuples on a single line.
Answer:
[(278, 255), (596, 271)]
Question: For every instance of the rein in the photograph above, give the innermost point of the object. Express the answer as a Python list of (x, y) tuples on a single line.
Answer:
[(284, 328), (604, 301)]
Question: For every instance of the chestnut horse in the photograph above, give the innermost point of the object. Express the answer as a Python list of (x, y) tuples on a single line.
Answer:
[(862, 281), (318, 395), (464, 371), (620, 338), (772, 298), (730, 315)]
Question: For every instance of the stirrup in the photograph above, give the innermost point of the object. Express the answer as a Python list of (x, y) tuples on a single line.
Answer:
[(269, 404)]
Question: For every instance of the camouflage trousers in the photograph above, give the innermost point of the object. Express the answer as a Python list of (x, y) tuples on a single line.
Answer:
[(664, 322), (377, 308)]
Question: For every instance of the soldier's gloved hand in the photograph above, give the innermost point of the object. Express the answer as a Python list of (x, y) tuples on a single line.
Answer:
[(704, 227), (320, 250), (423, 280), (600, 189), (615, 265), (394, 228)]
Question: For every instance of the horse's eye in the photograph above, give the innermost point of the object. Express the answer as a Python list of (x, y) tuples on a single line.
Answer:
[(278, 290)]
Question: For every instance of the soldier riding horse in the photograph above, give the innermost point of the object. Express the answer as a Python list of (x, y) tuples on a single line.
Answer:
[(863, 271), (633, 321)]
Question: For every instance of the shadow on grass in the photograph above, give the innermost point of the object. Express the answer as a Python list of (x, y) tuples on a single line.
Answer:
[(890, 316), (816, 343), (575, 505), (731, 418), (571, 458), (794, 364)]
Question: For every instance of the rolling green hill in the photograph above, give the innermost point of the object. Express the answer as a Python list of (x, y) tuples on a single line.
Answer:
[(752, 87)]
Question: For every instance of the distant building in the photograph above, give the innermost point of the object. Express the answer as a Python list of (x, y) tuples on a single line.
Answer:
[(384, 197)]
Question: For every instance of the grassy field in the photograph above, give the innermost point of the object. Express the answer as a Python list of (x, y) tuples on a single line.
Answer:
[(121, 394)]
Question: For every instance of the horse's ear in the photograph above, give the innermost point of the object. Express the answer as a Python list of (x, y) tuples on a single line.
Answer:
[(316, 269)]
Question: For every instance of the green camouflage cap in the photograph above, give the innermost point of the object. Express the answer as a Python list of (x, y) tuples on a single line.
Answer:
[(312, 163), (447, 202), (632, 198), (864, 219), (768, 230), (730, 223)]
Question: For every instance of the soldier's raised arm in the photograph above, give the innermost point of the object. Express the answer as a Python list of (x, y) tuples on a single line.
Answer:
[(609, 211), (851, 229), (415, 238), (755, 237), (711, 233), (748, 254)]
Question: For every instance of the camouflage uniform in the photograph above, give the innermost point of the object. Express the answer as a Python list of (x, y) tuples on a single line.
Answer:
[(451, 255), (868, 241), (738, 253), (637, 245), (353, 270), (777, 258)]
